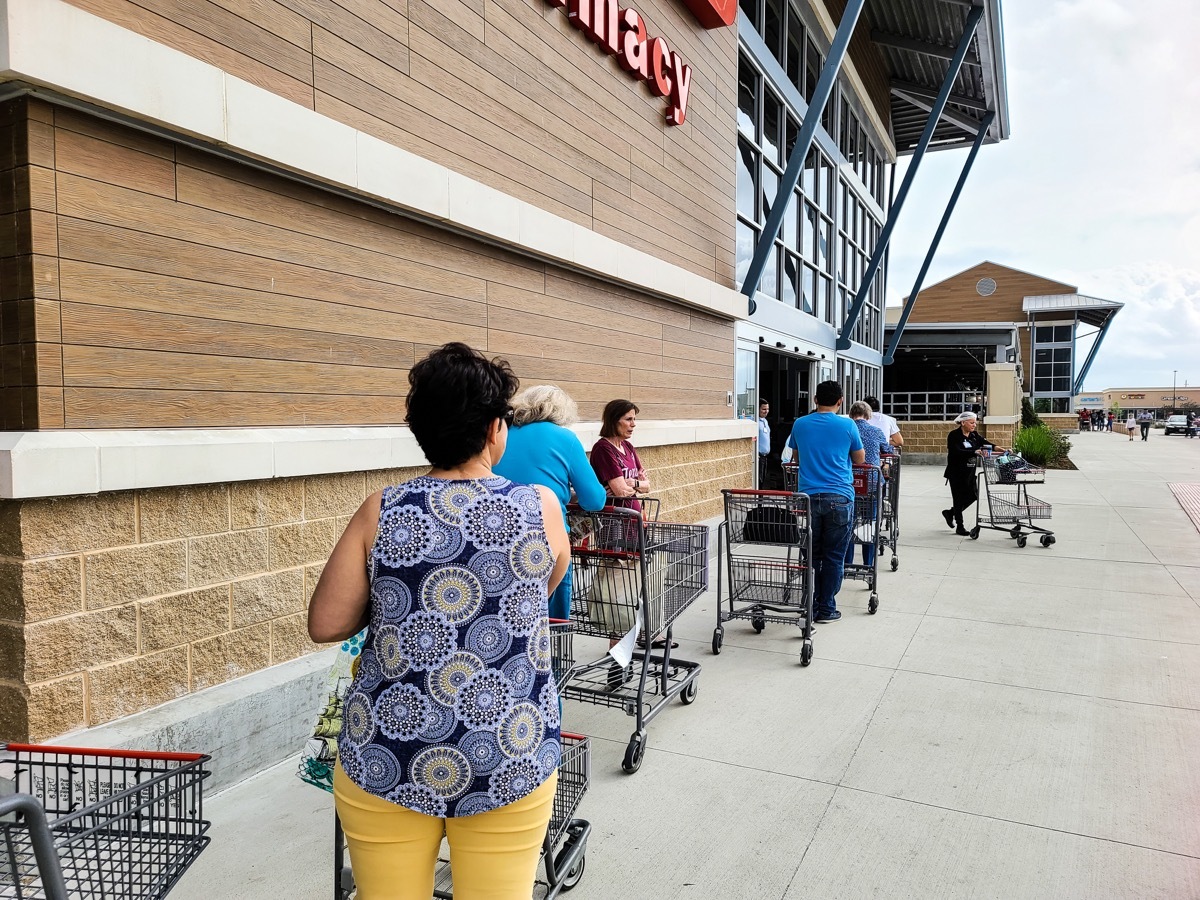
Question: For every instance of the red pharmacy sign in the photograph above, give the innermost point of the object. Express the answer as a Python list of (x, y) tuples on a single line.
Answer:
[(622, 33)]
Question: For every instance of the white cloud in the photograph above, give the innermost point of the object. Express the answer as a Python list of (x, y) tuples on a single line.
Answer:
[(1099, 185)]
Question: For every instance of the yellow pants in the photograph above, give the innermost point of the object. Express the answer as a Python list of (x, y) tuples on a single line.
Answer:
[(393, 850)]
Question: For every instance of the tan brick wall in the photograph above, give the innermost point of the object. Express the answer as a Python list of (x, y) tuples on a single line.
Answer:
[(114, 603), (925, 437), (1001, 435), (1066, 422)]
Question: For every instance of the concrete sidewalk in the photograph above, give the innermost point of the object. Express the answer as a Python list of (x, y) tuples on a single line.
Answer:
[(1011, 724)]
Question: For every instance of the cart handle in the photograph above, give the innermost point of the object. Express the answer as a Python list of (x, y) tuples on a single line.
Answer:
[(746, 492), (93, 751), (44, 851), (572, 735)]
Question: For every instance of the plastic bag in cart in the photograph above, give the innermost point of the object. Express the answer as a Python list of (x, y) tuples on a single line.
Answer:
[(319, 757)]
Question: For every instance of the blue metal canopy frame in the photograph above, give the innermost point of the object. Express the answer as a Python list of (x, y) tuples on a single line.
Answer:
[(808, 130), (1091, 357), (885, 236), (890, 356)]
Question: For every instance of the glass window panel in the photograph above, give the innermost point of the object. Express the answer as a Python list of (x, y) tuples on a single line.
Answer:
[(795, 50), (747, 98), (824, 295), (770, 276), (1062, 384), (1043, 355), (1042, 385), (1062, 354), (746, 238), (791, 224), (745, 378), (810, 287), (1043, 334), (812, 70), (770, 187), (772, 119), (773, 28), (1061, 369), (747, 174), (790, 280), (809, 245), (792, 131), (750, 11), (808, 176), (828, 182), (824, 257), (1062, 334), (1060, 404)]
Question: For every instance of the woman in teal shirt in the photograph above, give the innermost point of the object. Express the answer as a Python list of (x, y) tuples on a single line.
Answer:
[(542, 449)]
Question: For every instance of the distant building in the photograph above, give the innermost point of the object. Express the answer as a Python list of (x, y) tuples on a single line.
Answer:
[(1158, 400)]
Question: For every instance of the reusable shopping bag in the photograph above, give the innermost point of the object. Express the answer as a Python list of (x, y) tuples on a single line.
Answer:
[(319, 757)]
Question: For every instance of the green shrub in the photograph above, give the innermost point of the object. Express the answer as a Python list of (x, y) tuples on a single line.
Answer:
[(1042, 446), (1029, 418)]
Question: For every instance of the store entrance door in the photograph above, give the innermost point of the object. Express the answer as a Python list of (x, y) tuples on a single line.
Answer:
[(784, 382)]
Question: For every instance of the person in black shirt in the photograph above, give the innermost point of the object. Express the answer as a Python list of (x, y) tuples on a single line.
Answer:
[(964, 445)]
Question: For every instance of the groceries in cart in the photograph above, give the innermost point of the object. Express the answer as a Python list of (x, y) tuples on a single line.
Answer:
[(90, 823)]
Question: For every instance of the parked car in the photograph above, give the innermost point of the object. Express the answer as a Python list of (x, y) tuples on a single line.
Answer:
[(1176, 424)]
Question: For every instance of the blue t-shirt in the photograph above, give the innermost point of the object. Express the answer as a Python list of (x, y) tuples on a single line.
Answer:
[(823, 442), (550, 455)]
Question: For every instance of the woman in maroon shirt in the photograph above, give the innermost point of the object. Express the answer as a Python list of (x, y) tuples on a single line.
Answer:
[(613, 458)]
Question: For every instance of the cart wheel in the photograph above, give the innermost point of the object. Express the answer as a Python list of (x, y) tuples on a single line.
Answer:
[(758, 623), (688, 695), (1021, 541), (806, 654), (1047, 540), (1015, 531), (975, 533), (873, 604), (718, 640), (895, 563), (633, 753), (571, 878)]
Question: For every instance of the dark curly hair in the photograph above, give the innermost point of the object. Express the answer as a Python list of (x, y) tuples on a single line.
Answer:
[(454, 394)]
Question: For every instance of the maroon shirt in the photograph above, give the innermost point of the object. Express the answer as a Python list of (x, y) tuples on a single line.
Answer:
[(609, 463)]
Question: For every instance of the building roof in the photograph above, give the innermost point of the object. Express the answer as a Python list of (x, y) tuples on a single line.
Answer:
[(917, 39), (1091, 310)]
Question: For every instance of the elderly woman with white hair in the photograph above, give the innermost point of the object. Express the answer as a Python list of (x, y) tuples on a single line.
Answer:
[(542, 449), (964, 445)]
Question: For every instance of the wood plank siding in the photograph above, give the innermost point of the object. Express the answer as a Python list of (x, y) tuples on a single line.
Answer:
[(190, 291), (957, 300), (506, 92)]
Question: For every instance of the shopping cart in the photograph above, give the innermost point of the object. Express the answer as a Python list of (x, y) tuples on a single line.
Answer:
[(562, 870), (763, 572), (865, 531), (1010, 506), (649, 506), (889, 524), (86, 823), (630, 574)]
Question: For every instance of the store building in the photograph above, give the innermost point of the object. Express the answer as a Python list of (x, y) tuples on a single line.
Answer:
[(1160, 401), (231, 227)]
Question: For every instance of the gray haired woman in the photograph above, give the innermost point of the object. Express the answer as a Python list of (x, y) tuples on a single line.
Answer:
[(963, 446), (542, 449)]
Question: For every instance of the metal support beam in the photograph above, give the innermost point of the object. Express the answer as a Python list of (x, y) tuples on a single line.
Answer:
[(885, 236), (913, 45), (890, 356), (919, 90), (953, 116), (804, 141), (1091, 357)]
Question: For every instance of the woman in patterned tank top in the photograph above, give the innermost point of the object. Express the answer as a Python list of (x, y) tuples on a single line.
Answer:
[(451, 724)]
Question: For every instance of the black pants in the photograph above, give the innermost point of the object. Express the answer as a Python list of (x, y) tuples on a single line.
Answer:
[(762, 470), (964, 491), (1145, 431)]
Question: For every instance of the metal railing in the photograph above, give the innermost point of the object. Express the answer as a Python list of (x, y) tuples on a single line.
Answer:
[(931, 406)]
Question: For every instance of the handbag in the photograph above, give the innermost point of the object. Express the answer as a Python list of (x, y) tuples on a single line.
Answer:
[(617, 591), (319, 757), (771, 525)]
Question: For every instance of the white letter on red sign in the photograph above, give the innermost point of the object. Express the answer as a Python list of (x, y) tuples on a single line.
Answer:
[(633, 56), (679, 93), (660, 65)]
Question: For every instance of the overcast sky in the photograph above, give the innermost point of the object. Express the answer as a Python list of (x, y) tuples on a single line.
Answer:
[(1099, 184)]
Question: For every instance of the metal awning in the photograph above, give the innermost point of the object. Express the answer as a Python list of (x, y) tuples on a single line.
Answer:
[(917, 39), (1091, 310)]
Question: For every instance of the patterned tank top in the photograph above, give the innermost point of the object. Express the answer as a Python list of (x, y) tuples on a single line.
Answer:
[(453, 710)]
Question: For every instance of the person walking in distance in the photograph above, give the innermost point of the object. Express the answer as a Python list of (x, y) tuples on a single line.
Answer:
[(826, 445), (1130, 425), (1145, 420)]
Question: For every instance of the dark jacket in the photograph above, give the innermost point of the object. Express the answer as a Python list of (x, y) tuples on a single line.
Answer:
[(960, 458)]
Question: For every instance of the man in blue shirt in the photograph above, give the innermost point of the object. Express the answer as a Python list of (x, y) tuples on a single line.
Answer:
[(826, 446), (764, 441)]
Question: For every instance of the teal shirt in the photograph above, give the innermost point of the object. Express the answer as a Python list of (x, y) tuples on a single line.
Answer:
[(548, 454), (823, 442)]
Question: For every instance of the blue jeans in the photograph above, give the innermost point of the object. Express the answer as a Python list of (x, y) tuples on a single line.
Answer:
[(560, 600), (831, 516)]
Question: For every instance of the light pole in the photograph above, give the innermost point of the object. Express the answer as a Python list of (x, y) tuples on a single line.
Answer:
[(1174, 373)]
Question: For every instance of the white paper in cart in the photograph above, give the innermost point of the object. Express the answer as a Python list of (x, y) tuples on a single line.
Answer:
[(622, 650)]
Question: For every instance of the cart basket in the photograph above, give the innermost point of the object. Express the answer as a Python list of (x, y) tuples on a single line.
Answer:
[(125, 823)]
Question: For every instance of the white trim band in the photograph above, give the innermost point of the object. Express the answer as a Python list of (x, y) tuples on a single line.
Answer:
[(59, 46), (66, 463)]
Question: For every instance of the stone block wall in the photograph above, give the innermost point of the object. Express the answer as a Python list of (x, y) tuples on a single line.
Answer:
[(114, 603), (925, 437), (1002, 435), (1068, 423)]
